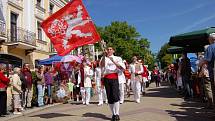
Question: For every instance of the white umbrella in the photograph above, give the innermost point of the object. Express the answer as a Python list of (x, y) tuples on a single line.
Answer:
[(70, 58)]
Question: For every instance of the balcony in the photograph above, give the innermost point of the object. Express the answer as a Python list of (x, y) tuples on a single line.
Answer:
[(16, 3), (42, 45), (20, 38), (39, 7), (40, 11), (2, 31), (41, 42)]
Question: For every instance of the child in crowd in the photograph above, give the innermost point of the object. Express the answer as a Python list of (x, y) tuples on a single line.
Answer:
[(70, 88)]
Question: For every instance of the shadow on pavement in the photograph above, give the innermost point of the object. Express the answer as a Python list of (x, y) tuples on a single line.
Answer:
[(129, 100), (80, 103), (76, 103), (51, 115), (192, 111), (189, 110), (96, 115), (164, 92)]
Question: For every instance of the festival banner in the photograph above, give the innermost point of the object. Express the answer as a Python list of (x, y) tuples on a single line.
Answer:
[(70, 27)]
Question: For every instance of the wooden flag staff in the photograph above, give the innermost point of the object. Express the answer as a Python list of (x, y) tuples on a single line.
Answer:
[(103, 45)]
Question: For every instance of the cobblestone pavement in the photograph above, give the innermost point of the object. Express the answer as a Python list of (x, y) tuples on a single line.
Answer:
[(159, 104)]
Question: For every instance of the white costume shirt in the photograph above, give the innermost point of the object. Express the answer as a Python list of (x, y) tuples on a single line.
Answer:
[(132, 70), (110, 67), (121, 75), (88, 73)]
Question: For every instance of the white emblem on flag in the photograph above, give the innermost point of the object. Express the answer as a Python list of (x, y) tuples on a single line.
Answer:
[(60, 27)]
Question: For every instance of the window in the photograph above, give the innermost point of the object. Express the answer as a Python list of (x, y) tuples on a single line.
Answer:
[(52, 48), (51, 7), (36, 63), (13, 26), (39, 31), (39, 2)]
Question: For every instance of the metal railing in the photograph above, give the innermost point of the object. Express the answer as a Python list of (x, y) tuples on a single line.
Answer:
[(2, 28), (21, 35), (16, 2), (41, 42), (38, 6)]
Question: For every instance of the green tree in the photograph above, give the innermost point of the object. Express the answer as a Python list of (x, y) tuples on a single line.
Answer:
[(126, 40), (163, 57)]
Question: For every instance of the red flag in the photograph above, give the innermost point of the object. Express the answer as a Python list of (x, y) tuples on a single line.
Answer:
[(70, 27)]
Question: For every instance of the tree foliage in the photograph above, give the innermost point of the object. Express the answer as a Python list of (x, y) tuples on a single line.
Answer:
[(126, 40), (163, 57)]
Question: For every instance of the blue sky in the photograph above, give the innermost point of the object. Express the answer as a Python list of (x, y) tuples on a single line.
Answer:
[(155, 20)]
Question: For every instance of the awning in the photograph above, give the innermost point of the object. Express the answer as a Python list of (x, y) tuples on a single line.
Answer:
[(180, 50), (192, 39), (55, 58)]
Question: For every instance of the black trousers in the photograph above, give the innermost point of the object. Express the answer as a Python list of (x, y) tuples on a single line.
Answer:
[(112, 90), (3, 102), (157, 81)]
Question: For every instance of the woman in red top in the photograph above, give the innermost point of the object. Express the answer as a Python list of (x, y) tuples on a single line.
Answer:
[(145, 79), (4, 81), (156, 76), (128, 78)]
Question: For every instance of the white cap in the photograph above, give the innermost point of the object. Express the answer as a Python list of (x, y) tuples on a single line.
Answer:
[(212, 35)]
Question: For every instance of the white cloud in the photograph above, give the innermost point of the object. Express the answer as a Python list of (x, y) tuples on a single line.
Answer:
[(201, 21)]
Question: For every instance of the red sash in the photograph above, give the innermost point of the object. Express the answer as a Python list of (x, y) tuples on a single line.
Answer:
[(111, 76)]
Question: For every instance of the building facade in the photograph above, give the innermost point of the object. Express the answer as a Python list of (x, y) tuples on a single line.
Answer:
[(21, 37)]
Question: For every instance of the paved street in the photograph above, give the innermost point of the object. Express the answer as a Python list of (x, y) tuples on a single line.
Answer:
[(160, 104)]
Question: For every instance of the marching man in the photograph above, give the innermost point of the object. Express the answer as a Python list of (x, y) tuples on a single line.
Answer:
[(111, 67), (136, 69)]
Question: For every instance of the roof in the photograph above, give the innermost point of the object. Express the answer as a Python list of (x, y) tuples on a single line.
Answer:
[(195, 39), (180, 50)]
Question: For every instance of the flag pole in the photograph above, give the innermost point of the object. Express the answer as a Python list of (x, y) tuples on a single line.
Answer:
[(103, 46)]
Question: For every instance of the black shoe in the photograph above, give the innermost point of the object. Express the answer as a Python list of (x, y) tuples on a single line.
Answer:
[(113, 118), (6, 113), (31, 107), (143, 93), (117, 118)]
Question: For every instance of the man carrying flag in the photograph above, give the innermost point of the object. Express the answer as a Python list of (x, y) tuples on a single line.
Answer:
[(70, 27), (112, 66)]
